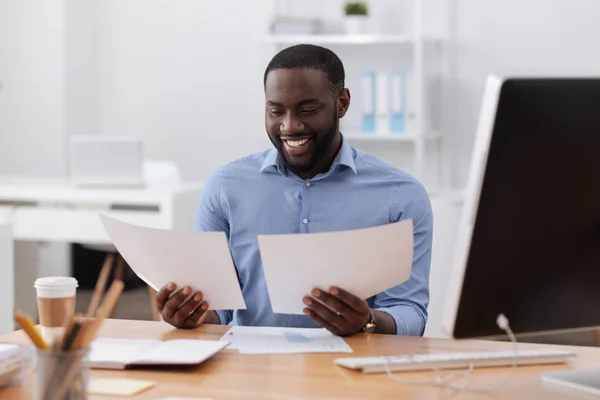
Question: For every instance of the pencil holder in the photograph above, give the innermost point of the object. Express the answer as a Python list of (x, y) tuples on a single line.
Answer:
[(62, 375)]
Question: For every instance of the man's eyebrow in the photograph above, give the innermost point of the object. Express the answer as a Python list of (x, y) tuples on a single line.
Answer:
[(308, 101), (301, 103)]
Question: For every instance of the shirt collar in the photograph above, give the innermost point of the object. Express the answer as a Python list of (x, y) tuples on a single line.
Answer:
[(345, 157)]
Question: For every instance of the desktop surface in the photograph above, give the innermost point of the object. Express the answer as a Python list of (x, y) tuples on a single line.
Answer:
[(230, 375)]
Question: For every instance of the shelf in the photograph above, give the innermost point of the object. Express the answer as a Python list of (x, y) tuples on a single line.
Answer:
[(345, 39), (385, 138)]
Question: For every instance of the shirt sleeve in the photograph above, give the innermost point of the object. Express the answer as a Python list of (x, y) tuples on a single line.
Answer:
[(407, 303), (211, 216)]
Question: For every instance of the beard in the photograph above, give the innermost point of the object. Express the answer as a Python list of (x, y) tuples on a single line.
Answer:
[(324, 142)]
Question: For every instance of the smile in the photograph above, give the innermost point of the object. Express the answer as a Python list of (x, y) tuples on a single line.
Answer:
[(296, 143)]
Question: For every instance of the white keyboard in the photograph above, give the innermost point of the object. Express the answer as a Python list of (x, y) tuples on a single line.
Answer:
[(454, 360)]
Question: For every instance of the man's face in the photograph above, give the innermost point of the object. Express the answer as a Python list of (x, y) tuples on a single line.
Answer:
[(301, 118)]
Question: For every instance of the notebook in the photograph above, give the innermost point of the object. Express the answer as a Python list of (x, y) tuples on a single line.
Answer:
[(109, 353)]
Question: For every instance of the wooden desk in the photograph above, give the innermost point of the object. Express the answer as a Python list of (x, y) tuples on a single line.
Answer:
[(230, 375)]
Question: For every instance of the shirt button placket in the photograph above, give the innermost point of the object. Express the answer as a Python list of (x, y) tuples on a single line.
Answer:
[(307, 184)]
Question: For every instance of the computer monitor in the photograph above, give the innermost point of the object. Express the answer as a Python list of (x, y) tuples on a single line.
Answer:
[(529, 238)]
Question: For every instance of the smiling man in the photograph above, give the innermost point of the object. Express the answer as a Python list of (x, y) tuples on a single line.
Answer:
[(312, 181)]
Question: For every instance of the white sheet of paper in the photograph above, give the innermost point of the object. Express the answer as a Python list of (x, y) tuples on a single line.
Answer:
[(364, 262), (201, 260), (274, 340)]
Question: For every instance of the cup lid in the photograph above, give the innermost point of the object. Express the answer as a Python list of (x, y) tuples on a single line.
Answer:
[(55, 282)]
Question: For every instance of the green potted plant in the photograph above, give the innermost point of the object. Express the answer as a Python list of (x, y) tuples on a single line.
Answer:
[(357, 13)]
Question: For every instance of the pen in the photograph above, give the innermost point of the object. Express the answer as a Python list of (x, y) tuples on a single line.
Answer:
[(31, 331)]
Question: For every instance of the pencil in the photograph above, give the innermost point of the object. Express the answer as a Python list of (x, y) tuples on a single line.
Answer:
[(71, 335), (31, 331)]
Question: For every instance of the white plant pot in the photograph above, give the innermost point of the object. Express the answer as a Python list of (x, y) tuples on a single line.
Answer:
[(356, 24)]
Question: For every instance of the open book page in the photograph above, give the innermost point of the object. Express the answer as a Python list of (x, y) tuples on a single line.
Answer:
[(180, 352), (110, 353)]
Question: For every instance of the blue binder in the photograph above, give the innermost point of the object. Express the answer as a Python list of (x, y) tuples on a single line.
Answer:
[(368, 106), (397, 102)]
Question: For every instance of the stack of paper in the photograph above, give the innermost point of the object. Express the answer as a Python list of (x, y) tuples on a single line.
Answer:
[(268, 340), (15, 361)]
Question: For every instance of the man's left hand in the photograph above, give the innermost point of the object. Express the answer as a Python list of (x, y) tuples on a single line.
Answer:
[(343, 313)]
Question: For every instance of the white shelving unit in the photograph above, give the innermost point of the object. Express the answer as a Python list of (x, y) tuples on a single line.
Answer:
[(422, 131), (335, 39)]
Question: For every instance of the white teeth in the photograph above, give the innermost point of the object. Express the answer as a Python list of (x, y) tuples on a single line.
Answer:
[(296, 143)]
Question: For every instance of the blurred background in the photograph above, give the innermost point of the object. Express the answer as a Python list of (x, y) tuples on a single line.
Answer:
[(185, 78)]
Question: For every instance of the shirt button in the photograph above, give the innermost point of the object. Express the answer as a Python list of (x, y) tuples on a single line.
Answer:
[(305, 221), (307, 183)]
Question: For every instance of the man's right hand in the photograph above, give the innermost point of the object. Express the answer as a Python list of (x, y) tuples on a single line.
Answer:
[(177, 313)]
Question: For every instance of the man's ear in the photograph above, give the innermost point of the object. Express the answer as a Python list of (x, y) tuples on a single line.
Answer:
[(343, 102)]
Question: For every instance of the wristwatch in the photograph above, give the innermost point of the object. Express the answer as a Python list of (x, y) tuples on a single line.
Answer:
[(370, 326)]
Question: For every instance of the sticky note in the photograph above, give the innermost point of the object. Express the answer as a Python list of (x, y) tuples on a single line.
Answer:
[(119, 387)]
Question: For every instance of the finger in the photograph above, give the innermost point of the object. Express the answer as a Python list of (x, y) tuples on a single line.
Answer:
[(338, 306), (356, 303), (186, 309), (163, 295), (173, 304), (319, 320), (197, 317), (325, 313)]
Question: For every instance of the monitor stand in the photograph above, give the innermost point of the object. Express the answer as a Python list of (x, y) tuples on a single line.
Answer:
[(586, 380)]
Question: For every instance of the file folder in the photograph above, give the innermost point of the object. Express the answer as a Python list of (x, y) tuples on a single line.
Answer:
[(397, 102)]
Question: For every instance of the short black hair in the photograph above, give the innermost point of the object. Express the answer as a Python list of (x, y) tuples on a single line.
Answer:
[(312, 57)]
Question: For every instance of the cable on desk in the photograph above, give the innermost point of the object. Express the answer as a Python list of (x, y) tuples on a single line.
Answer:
[(443, 377)]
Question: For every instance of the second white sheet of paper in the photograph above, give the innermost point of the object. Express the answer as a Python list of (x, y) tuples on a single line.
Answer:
[(364, 262)]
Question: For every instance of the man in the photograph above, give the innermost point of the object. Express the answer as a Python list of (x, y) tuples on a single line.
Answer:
[(312, 181)]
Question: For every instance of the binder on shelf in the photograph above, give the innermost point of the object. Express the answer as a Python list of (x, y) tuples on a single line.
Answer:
[(397, 102), (368, 102), (382, 123)]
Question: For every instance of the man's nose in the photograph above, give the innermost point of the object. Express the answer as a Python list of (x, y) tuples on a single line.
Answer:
[(291, 125)]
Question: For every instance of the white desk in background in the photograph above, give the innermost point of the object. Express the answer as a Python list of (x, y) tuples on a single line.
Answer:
[(51, 210)]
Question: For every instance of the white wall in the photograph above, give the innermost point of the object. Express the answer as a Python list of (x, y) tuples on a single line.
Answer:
[(32, 92), (511, 37), (154, 69), (7, 289), (181, 76)]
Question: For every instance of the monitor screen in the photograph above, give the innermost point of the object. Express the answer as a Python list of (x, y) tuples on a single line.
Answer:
[(534, 253)]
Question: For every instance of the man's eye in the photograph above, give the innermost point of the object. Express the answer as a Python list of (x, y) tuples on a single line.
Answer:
[(309, 111), (276, 112)]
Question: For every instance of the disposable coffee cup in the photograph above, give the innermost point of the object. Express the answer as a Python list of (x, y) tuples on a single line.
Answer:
[(56, 304)]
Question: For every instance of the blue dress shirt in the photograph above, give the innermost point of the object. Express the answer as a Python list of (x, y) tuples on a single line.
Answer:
[(258, 195)]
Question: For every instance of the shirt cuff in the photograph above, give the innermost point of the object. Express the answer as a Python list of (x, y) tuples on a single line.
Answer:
[(409, 321), (225, 316)]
